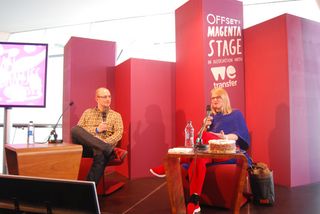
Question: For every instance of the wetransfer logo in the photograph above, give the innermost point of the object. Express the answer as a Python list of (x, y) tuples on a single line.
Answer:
[(225, 76)]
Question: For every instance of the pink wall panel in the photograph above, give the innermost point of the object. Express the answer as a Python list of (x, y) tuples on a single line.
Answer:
[(147, 94)]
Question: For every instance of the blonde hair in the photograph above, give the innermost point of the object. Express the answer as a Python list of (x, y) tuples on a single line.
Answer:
[(226, 105)]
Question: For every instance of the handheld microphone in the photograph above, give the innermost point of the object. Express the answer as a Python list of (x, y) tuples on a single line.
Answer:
[(53, 131), (104, 117), (199, 144)]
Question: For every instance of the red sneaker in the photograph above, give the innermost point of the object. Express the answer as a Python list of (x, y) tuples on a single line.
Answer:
[(193, 205), (158, 171), (193, 208)]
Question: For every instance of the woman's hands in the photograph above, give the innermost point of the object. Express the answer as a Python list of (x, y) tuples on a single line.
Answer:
[(230, 136), (207, 121)]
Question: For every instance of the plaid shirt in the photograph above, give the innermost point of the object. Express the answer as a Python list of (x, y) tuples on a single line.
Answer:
[(92, 117)]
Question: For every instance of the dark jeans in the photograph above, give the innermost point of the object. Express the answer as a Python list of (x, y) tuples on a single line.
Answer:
[(101, 152)]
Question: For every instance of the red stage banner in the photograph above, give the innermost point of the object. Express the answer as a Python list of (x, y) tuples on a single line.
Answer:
[(209, 53), (223, 24)]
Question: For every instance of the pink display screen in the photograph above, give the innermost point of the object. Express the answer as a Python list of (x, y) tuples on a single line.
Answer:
[(23, 71)]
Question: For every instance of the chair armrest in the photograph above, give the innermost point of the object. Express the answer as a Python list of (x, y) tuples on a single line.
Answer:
[(120, 155)]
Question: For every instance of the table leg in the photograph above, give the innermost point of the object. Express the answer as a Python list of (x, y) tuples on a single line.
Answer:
[(174, 183), (240, 185)]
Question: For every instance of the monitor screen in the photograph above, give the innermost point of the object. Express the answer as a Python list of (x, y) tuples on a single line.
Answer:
[(40, 195), (23, 74)]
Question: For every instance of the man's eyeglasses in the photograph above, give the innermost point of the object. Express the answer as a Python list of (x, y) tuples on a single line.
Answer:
[(104, 97)]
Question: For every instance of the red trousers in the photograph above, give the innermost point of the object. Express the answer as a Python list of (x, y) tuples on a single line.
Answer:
[(197, 172)]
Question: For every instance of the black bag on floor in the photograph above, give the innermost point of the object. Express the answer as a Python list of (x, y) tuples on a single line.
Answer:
[(261, 184)]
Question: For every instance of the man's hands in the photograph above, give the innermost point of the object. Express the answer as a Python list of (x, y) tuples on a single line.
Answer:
[(102, 127)]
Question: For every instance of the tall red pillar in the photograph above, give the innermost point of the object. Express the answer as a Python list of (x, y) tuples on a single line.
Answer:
[(282, 67), (145, 91), (209, 54), (88, 64)]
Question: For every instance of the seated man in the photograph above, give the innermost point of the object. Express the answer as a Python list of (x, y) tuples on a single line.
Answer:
[(99, 129)]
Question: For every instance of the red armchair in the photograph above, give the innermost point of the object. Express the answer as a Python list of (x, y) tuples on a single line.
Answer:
[(219, 187), (105, 186)]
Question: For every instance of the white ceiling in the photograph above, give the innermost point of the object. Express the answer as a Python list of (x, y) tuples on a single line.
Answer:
[(26, 15)]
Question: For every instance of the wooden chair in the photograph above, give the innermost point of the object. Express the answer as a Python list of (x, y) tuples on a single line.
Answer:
[(104, 186)]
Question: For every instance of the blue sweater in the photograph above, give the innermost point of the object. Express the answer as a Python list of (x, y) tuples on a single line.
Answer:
[(232, 123)]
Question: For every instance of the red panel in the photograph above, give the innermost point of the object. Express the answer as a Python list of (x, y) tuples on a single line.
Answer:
[(123, 106), (281, 94), (304, 61), (87, 63), (190, 89), (267, 95), (146, 88)]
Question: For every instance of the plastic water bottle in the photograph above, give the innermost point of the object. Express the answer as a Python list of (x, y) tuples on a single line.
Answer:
[(189, 135), (30, 139)]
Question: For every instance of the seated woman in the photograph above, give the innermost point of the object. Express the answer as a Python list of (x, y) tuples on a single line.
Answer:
[(224, 122)]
